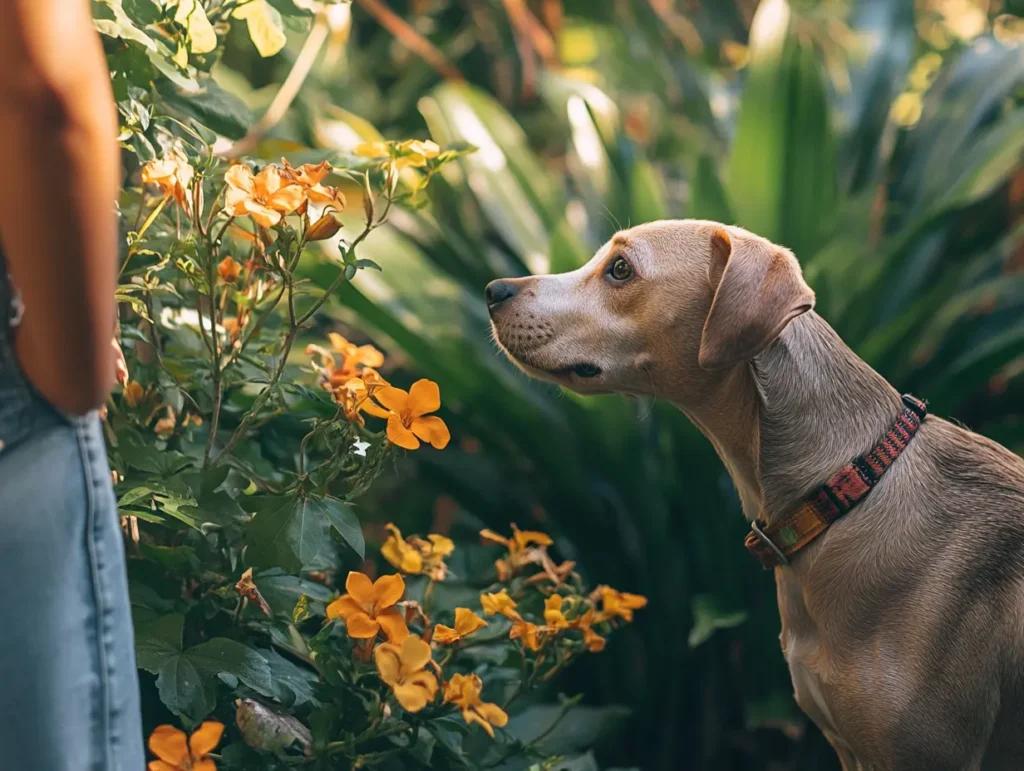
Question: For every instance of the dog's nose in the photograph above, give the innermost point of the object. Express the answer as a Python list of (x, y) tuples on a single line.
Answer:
[(499, 291)]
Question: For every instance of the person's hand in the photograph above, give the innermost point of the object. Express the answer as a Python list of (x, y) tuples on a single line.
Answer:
[(120, 365)]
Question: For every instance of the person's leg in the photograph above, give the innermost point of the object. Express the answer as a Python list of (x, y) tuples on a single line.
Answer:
[(68, 685)]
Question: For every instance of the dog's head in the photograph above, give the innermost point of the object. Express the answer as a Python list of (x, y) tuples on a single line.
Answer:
[(660, 303)]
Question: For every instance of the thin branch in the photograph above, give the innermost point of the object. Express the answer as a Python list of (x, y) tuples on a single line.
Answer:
[(411, 39), (318, 34)]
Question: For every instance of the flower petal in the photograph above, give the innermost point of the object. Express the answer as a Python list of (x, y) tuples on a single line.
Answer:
[(204, 765), (369, 356), (389, 662), (432, 430), (393, 624), (287, 199), (344, 606), (260, 213), (416, 692), (372, 408), (394, 399), (445, 635), (400, 554), (493, 714), (361, 626), (387, 590), (490, 535), (399, 435), (415, 653), (471, 716), (205, 738), (424, 397), (359, 586), (169, 744), (441, 545), (467, 622), (239, 176), (159, 765)]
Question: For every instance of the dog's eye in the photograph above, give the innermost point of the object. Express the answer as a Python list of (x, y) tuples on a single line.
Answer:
[(620, 269)]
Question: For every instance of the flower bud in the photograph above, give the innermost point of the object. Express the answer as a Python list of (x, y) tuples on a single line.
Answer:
[(323, 228)]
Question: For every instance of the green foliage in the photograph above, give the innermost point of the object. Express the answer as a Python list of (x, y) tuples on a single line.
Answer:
[(908, 231)]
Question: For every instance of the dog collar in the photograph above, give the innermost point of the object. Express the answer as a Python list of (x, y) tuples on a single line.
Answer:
[(776, 544)]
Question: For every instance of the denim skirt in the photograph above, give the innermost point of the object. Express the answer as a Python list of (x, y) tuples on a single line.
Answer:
[(69, 696)]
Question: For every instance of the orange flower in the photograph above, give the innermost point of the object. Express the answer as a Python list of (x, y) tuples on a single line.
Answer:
[(499, 602), (464, 692), (165, 426), (180, 753), (553, 615), (132, 393), (172, 175), (519, 548), (352, 358), (369, 608), (619, 604), (229, 270), (415, 555), (466, 623), (263, 197), (529, 633), (594, 642), (403, 668), (309, 176), (407, 416)]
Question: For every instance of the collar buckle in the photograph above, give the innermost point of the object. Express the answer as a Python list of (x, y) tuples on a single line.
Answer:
[(769, 543)]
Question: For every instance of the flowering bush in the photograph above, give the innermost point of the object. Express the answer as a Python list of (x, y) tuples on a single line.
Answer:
[(245, 427)]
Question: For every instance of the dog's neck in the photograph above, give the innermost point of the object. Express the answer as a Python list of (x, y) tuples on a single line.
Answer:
[(802, 409)]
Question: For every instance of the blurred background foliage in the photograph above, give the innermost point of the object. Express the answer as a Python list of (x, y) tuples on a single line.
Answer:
[(880, 139)]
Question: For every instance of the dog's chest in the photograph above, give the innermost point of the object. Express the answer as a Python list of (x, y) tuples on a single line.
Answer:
[(807, 659)]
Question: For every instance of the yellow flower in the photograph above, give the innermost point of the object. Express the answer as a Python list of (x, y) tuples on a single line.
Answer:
[(619, 604), (594, 642), (263, 197), (172, 175), (466, 623), (528, 632), (407, 417), (309, 176), (352, 358), (464, 692), (229, 270), (369, 608), (372, 150), (413, 152), (403, 669), (165, 426), (416, 555), (519, 548), (553, 615), (177, 752), (132, 393), (499, 602), (355, 394)]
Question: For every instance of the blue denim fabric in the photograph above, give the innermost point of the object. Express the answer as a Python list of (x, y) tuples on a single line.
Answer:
[(69, 696)]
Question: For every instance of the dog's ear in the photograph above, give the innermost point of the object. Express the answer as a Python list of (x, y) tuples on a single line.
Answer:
[(758, 290)]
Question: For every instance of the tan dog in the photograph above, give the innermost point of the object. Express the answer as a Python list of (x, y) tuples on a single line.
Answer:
[(903, 624)]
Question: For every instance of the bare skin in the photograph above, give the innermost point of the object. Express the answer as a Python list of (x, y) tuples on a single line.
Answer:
[(58, 124)]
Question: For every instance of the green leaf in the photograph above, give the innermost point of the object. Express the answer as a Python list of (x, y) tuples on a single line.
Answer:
[(184, 690), (282, 591), (223, 656), (192, 16), (266, 29), (158, 641), (708, 617), (781, 173), (294, 686), (210, 105), (344, 521), (110, 19), (293, 533), (708, 198)]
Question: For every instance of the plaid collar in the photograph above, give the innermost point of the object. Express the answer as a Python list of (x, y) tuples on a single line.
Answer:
[(776, 544)]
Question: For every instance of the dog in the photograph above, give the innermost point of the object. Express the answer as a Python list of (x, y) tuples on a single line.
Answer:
[(903, 618)]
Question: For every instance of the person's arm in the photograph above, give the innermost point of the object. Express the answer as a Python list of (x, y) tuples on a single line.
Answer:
[(61, 172)]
